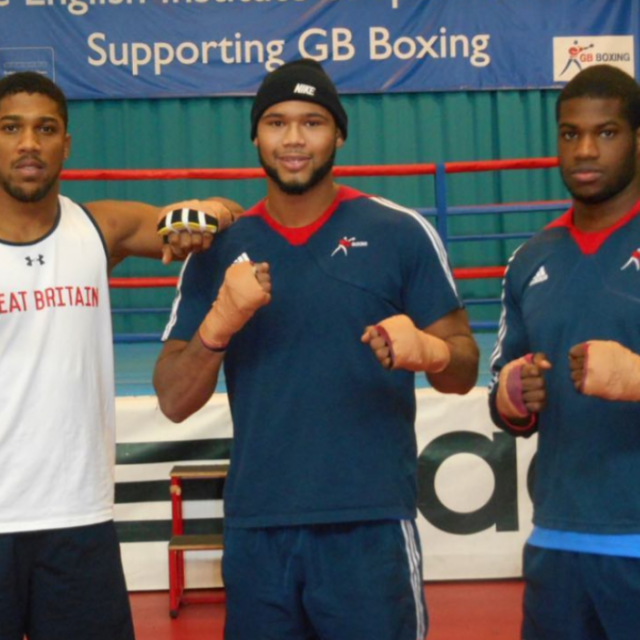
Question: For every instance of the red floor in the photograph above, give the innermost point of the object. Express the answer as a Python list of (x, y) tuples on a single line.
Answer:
[(458, 611)]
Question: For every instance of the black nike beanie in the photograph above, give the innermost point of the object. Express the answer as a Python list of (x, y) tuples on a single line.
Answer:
[(299, 80)]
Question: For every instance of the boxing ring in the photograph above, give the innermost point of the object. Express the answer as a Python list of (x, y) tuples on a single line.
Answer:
[(474, 505)]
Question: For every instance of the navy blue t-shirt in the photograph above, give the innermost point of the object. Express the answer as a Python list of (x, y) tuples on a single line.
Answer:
[(562, 288), (322, 433)]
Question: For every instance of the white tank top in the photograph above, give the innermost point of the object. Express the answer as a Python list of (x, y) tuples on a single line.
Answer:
[(57, 406)]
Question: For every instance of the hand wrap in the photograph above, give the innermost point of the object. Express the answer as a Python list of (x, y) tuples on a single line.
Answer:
[(510, 403), (611, 371), (412, 349), (240, 296), (194, 216)]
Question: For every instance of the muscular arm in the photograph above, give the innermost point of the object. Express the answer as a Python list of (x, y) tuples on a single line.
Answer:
[(185, 377), (130, 228), (461, 373), (431, 334), (186, 373)]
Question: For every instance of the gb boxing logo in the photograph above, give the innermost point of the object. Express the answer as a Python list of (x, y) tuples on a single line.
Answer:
[(348, 243), (633, 260), (31, 261), (573, 54)]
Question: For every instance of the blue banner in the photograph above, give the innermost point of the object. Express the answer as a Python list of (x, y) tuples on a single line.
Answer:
[(171, 48)]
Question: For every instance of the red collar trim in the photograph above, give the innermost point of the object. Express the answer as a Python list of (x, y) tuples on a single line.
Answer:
[(300, 235), (590, 241)]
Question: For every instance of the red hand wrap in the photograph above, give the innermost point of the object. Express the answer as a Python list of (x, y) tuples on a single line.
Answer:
[(509, 401)]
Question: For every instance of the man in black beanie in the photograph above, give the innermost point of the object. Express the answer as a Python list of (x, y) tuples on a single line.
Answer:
[(304, 81), (327, 301)]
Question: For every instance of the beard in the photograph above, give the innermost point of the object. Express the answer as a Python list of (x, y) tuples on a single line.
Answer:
[(620, 182), (608, 192), (21, 195), (293, 187)]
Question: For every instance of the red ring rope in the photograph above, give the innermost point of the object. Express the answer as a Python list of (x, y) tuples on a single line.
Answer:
[(467, 273), (346, 171)]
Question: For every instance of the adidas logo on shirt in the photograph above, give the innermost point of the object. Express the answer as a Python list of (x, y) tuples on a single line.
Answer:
[(541, 276), (243, 257)]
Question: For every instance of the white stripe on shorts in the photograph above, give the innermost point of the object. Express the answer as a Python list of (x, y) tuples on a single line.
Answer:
[(413, 556)]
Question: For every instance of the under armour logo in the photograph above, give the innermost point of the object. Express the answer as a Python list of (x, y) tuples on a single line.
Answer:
[(31, 261), (633, 260)]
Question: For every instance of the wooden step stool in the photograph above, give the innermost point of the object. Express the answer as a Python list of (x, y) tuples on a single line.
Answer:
[(180, 542)]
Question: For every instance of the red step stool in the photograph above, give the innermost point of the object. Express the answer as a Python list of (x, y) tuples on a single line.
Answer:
[(180, 542)]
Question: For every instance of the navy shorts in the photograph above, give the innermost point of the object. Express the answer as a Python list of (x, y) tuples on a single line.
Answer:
[(341, 581), (63, 584), (580, 596)]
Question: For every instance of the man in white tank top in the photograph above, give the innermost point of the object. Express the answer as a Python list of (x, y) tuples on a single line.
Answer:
[(61, 575)]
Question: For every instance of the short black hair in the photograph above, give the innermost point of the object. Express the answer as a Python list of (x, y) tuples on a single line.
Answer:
[(31, 82), (605, 81)]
